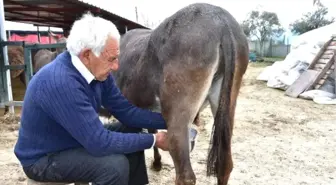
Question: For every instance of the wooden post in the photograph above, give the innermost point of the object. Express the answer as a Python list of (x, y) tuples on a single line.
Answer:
[(28, 62), (136, 14), (38, 34), (49, 35), (38, 30), (7, 80)]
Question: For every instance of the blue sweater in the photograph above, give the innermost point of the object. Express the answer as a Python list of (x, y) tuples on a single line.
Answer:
[(60, 112)]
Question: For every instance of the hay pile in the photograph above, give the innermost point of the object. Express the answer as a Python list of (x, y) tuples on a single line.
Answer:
[(9, 122)]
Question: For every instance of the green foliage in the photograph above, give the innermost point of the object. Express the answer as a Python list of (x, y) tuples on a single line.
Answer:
[(245, 26), (262, 25), (317, 2), (312, 20)]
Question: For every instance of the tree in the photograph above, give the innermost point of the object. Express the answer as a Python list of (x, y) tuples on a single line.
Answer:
[(148, 23), (262, 25), (312, 20), (245, 26), (317, 2)]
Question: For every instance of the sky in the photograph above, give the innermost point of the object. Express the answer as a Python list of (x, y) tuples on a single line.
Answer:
[(157, 10)]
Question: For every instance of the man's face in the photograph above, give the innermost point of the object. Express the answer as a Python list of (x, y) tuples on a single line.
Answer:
[(102, 66)]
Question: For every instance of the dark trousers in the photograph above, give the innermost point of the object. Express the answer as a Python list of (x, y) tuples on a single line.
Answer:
[(77, 165)]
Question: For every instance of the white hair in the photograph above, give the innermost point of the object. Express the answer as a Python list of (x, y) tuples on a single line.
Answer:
[(90, 32)]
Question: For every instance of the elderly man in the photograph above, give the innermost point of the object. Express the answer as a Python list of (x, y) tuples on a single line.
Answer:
[(61, 138)]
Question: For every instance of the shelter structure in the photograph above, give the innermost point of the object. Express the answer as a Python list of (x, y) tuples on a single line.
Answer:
[(308, 71), (50, 13), (60, 13)]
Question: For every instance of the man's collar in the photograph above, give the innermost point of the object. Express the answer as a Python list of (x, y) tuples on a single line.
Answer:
[(82, 68)]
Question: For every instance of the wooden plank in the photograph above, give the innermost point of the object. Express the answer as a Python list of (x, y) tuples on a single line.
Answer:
[(321, 73), (317, 69), (321, 82), (325, 76), (320, 66), (323, 79), (319, 54), (331, 47), (317, 86), (323, 61), (306, 79), (329, 52), (326, 56)]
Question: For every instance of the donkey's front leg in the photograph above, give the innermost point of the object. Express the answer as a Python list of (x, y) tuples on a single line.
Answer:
[(157, 164)]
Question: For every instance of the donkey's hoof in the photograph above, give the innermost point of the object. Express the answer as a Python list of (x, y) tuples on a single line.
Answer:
[(157, 165), (185, 182)]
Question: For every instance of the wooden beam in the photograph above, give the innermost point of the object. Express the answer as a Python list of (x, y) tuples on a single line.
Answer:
[(321, 73), (306, 79), (44, 9), (319, 54)]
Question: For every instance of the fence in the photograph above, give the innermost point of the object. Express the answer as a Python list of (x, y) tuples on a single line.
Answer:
[(270, 49)]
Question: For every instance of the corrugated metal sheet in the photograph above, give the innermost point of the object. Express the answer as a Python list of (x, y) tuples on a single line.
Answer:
[(98, 4), (102, 5), (61, 13)]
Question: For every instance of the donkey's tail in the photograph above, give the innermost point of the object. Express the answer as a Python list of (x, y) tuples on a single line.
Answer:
[(220, 144)]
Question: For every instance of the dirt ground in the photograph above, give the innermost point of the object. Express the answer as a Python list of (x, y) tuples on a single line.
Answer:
[(277, 140)]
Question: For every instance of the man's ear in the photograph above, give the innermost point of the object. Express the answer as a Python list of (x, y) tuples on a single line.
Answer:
[(84, 55)]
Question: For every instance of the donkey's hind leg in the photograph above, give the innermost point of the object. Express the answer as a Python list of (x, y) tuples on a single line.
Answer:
[(182, 94)]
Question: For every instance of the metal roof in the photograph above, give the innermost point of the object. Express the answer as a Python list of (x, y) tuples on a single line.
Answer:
[(60, 13)]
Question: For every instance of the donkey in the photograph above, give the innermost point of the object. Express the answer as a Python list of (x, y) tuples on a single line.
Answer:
[(194, 57), (124, 71), (40, 58), (45, 56)]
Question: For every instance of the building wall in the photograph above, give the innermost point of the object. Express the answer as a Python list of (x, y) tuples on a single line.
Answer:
[(269, 49)]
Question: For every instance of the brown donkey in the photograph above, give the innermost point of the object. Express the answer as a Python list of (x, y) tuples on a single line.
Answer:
[(40, 57), (196, 56), (45, 56)]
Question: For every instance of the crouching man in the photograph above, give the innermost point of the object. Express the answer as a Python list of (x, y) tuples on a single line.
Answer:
[(61, 138)]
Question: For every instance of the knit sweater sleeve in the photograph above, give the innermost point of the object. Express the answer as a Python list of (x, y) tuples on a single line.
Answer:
[(65, 101), (127, 113)]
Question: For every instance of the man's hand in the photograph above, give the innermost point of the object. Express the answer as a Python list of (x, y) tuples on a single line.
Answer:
[(161, 140)]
